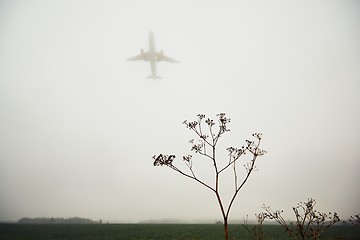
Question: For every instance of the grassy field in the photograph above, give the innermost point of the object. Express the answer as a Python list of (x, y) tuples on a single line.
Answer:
[(150, 231)]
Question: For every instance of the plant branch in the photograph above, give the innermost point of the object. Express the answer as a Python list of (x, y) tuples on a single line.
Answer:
[(242, 184), (192, 177)]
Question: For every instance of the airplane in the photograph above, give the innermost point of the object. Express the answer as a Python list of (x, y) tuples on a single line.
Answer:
[(152, 57)]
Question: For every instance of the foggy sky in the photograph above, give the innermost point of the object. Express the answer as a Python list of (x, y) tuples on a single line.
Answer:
[(79, 123)]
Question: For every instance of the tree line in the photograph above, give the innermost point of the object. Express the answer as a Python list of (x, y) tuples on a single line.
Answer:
[(52, 220)]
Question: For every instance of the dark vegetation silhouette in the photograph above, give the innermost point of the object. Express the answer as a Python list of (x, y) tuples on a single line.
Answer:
[(43, 220), (355, 220), (309, 224), (256, 230), (208, 134)]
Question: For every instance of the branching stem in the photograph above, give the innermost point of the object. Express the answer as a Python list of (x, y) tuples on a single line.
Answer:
[(201, 148)]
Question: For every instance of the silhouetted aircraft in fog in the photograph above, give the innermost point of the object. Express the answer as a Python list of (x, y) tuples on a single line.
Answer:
[(152, 56)]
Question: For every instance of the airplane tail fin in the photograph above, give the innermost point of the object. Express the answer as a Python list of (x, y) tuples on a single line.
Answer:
[(154, 77)]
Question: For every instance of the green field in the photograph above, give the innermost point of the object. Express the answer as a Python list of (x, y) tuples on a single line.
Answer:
[(150, 231)]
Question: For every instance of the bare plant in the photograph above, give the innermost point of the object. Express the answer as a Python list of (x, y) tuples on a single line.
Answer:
[(205, 146), (355, 219), (256, 230), (309, 223)]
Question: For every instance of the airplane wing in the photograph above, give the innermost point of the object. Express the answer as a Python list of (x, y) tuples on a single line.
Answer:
[(137, 58), (167, 59)]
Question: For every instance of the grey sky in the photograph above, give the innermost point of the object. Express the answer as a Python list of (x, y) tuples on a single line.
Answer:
[(79, 124)]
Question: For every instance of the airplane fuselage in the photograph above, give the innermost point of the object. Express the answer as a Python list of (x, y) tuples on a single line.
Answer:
[(152, 56)]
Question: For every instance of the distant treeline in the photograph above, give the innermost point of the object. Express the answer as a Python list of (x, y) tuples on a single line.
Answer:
[(73, 220)]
